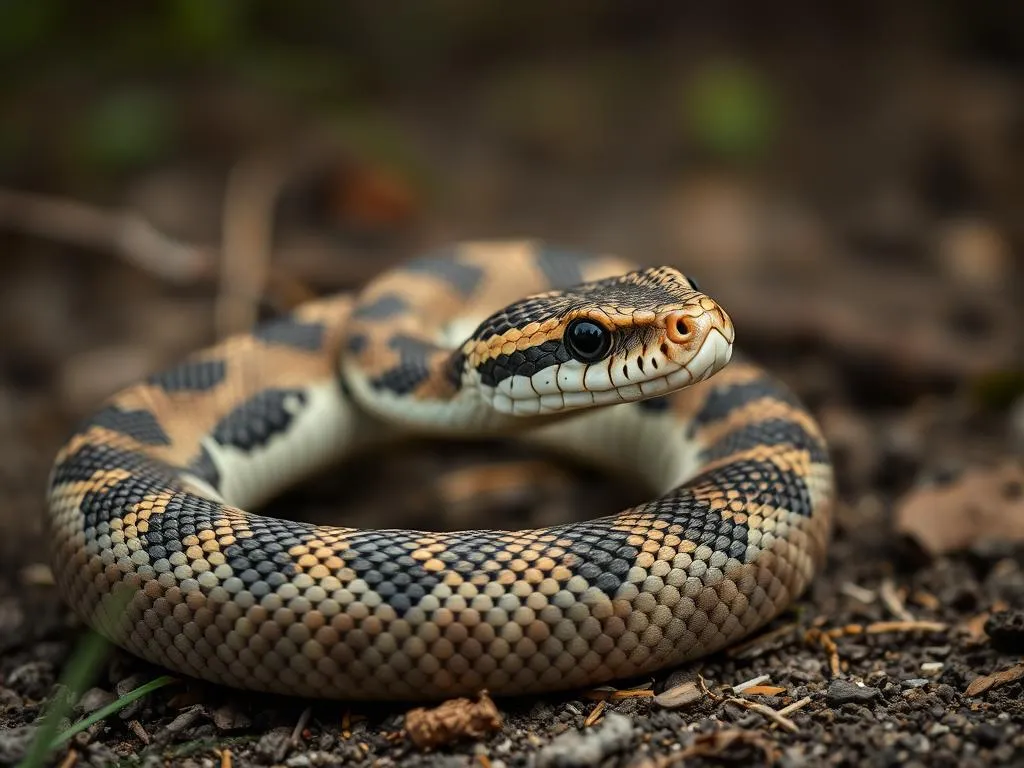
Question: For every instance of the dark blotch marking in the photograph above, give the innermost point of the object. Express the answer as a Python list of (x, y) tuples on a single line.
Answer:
[(523, 362), (357, 343), (562, 269), (138, 425), (412, 369), (760, 482), (774, 432), (289, 332), (464, 278), (202, 466), (382, 308), (253, 423), (725, 399), (190, 376)]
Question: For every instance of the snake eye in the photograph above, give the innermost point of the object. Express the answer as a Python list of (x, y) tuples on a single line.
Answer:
[(587, 341)]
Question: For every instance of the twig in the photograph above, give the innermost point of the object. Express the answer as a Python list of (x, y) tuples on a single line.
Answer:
[(250, 198), (595, 713), (124, 233), (880, 627), (892, 601), (300, 725), (247, 232), (783, 722), (796, 705), (69, 759), (824, 639), (857, 592), (741, 687)]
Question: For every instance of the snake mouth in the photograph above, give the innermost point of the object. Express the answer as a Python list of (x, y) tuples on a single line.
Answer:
[(567, 387)]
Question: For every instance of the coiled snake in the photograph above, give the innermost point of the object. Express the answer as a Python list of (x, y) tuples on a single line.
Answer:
[(154, 548)]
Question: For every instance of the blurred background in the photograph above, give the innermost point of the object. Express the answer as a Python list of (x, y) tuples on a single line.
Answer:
[(850, 184)]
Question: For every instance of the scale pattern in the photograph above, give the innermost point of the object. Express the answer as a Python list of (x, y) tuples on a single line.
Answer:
[(147, 552)]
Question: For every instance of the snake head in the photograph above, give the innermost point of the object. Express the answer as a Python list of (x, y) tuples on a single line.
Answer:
[(622, 339)]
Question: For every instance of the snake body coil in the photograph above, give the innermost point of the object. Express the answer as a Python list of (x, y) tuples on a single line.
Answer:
[(154, 549)]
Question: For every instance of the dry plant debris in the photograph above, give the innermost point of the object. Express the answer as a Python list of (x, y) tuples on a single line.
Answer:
[(453, 720), (981, 684), (985, 503)]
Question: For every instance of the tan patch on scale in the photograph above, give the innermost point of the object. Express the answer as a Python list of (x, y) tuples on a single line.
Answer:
[(101, 481)]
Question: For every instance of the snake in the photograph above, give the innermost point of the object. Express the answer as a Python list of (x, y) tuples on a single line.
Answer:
[(158, 544)]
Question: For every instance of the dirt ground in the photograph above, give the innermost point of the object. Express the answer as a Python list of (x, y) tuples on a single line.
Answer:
[(849, 189)]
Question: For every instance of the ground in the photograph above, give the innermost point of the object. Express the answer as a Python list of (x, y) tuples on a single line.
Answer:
[(866, 239)]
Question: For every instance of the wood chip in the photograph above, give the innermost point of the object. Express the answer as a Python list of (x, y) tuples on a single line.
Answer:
[(136, 727), (981, 684), (763, 690), (680, 695), (974, 627), (780, 720), (453, 720), (741, 687), (595, 714), (69, 759), (225, 758), (926, 600)]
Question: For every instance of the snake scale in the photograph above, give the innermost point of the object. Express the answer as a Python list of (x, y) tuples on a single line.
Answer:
[(155, 549)]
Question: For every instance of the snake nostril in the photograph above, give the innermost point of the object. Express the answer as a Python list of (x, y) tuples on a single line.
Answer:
[(682, 328)]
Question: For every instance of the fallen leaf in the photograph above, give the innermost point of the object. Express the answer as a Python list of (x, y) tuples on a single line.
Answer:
[(983, 503), (981, 684)]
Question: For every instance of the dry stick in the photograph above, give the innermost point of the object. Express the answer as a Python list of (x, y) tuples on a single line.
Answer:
[(125, 233), (248, 222), (253, 187), (892, 601), (783, 722)]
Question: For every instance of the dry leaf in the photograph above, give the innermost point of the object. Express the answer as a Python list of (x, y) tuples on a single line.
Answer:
[(981, 684), (453, 720), (983, 503)]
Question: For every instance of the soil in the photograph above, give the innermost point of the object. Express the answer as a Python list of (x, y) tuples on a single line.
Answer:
[(866, 241)]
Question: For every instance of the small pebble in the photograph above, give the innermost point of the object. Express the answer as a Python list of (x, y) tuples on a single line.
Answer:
[(93, 699), (848, 692), (915, 682), (588, 747)]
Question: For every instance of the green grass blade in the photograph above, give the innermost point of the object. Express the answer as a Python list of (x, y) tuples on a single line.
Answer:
[(111, 708)]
